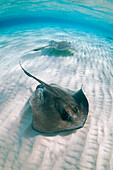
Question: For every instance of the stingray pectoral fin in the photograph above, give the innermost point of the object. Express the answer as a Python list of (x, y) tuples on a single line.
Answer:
[(81, 99), (41, 48)]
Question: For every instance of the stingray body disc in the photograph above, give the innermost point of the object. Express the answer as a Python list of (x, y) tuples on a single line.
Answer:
[(59, 111)]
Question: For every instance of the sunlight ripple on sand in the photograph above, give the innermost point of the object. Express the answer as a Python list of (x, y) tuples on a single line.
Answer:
[(90, 147)]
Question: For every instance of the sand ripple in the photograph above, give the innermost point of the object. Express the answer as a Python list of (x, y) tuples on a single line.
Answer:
[(88, 148)]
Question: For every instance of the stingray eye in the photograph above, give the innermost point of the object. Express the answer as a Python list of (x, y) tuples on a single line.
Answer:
[(66, 116), (75, 109)]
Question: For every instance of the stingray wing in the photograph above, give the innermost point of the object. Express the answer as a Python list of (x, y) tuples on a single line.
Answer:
[(82, 101)]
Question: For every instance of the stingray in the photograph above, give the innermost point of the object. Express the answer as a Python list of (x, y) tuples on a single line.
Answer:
[(59, 46), (55, 109)]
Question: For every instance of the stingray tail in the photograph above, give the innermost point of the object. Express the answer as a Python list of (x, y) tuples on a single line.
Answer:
[(40, 81), (30, 75), (41, 48), (74, 49)]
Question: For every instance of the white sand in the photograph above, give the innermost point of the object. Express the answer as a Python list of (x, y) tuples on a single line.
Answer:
[(90, 147)]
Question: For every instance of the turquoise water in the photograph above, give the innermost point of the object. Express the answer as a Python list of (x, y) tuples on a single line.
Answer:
[(91, 13), (26, 25)]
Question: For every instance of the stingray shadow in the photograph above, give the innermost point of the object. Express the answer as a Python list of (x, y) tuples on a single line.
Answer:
[(26, 121), (47, 52)]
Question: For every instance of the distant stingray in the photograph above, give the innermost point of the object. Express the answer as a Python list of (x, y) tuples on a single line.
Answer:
[(56, 110), (59, 46)]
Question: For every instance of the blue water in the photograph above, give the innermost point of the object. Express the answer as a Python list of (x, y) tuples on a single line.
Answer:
[(93, 14), (30, 24)]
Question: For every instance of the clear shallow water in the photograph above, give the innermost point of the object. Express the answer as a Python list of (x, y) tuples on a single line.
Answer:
[(28, 25)]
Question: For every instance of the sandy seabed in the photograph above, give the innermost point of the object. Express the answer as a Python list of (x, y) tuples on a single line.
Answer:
[(90, 147)]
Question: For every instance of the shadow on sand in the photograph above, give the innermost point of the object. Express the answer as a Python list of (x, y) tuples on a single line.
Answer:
[(48, 52)]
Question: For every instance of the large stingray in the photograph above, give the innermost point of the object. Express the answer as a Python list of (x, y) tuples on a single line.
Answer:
[(56, 110), (59, 46)]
